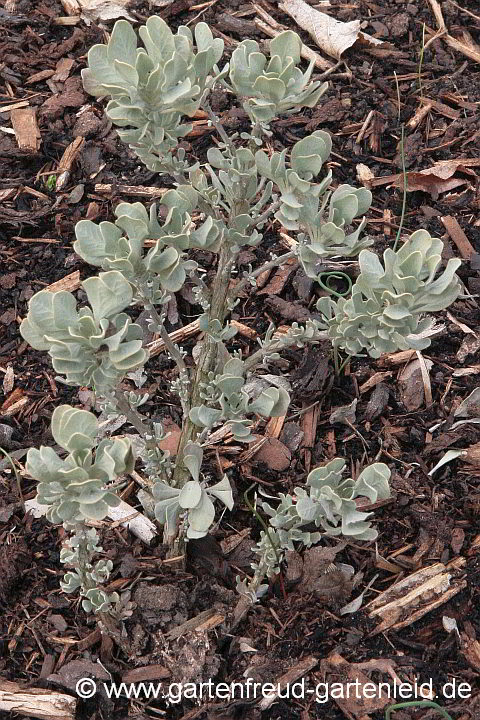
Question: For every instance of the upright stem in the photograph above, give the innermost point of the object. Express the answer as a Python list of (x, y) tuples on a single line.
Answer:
[(207, 360)]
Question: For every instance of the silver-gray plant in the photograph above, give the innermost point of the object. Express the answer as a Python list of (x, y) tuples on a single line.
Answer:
[(327, 503), (221, 206), (78, 489), (388, 305)]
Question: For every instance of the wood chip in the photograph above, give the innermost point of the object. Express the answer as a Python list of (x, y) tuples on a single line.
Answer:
[(70, 283), (132, 190), (13, 106), (66, 162), (463, 244), (38, 77), (416, 595), (36, 702), (27, 132), (204, 621), (288, 678), (147, 672), (360, 704)]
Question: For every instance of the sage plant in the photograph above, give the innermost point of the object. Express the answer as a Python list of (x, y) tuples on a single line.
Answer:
[(220, 205), (328, 502)]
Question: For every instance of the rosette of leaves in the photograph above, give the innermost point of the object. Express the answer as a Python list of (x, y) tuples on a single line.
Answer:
[(238, 186), (226, 389), (76, 489), (295, 182), (274, 86), (328, 503), (386, 311), (120, 245), (95, 346), (151, 87), (326, 231), (194, 499)]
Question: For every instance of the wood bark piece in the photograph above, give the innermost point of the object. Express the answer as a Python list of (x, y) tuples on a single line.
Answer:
[(27, 132), (360, 704), (71, 7), (288, 678), (204, 621), (455, 44), (157, 346), (133, 190), (65, 165), (416, 595), (69, 282), (37, 703), (463, 244)]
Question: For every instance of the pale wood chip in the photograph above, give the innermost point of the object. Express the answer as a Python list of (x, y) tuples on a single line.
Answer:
[(70, 283), (27, 132)]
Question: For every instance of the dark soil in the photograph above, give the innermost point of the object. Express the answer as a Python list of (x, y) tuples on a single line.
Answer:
[(430, 518)]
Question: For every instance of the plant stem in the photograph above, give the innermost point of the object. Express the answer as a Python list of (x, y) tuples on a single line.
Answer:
[(207, 360), (218, 127), (405, 185)]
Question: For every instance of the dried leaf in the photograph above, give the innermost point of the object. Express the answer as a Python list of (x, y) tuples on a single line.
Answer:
[(274, 454), (356, 604), (435, 180), (449, 456), (345, 414), (470, 407), (450, 624), (331, 35), (411, 385), (93, 10)]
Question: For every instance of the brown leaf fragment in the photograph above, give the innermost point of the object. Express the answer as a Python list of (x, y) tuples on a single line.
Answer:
[(170, 443), (457, 539), (331, 35), (274, 454), (411, 386), (378, 402)]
